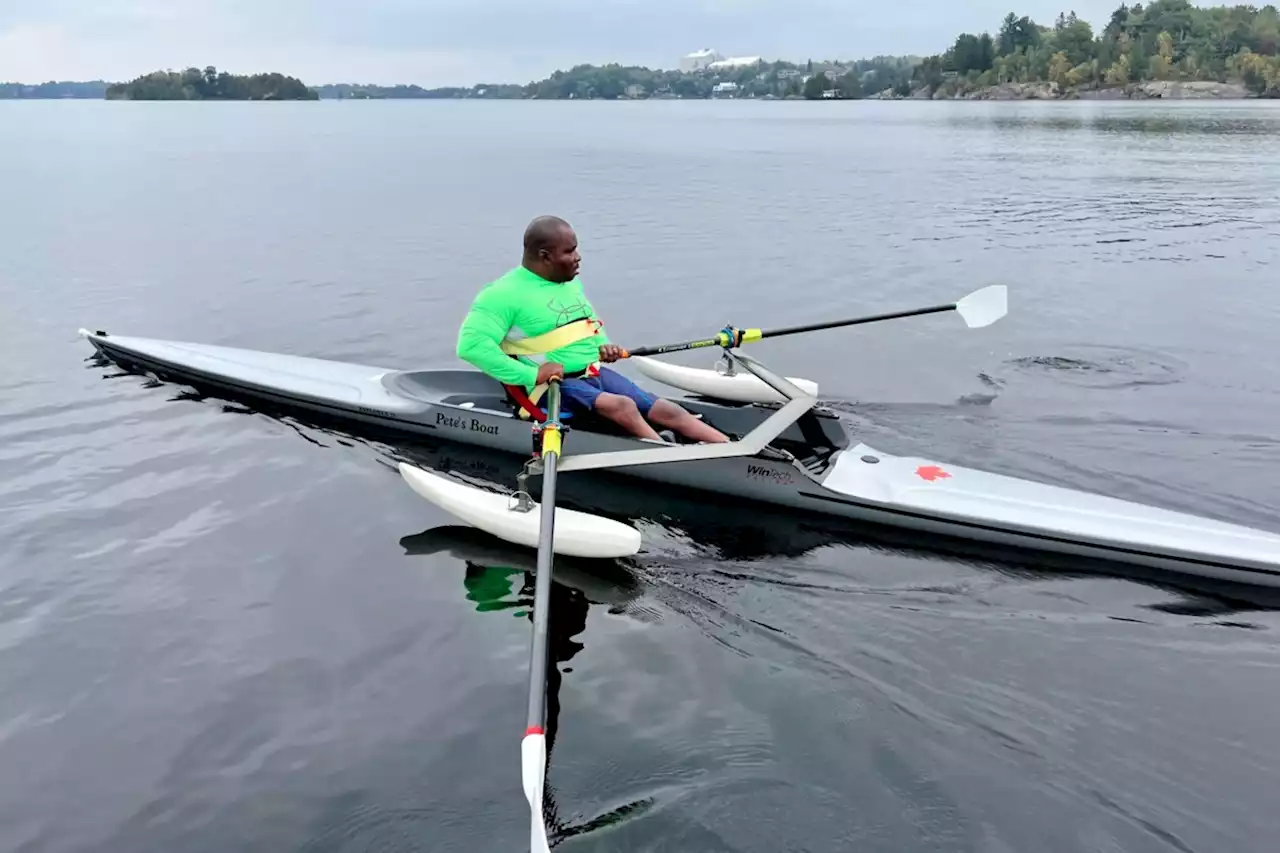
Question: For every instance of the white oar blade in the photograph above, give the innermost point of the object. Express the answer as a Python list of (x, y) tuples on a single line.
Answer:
[(983, 307), (533, 772), (577, 534)]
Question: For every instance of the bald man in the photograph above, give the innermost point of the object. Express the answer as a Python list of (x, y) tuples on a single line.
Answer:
[(543, 294)]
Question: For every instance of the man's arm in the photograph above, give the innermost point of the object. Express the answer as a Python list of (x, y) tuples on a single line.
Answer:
[(480, 339)]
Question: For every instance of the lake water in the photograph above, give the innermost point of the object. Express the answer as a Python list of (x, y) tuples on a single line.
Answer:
[(221, 630)]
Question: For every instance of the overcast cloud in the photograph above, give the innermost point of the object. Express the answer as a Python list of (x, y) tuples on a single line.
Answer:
[(460, 42)]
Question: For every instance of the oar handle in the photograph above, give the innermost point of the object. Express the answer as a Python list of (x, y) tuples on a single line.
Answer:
[(553, 399)]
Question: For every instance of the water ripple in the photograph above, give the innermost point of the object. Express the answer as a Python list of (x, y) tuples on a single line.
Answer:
[(224, 630)]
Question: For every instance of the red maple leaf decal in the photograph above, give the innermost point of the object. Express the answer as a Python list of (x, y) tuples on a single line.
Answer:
[(931, 473)]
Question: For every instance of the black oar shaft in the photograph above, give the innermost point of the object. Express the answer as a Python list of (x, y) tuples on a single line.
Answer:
[(664, 348), (856, 321), (542, 582), (789, 330)]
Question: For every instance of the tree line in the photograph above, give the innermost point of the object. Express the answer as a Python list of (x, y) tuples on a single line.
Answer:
[(1163, 40), (53, 89), (211, 85), (613, 81), (370, 92), (778, 79)]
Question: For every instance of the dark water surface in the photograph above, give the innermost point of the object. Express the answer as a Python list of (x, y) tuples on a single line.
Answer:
[(221, 630)]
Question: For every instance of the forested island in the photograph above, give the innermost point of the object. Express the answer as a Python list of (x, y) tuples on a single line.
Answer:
[(211, 85), (1164, 48)]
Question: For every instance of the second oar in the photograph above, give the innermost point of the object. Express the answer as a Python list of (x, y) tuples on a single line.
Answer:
[(533, 748)]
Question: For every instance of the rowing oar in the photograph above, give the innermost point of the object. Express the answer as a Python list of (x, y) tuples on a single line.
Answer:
[(980, 308), (533, 748)]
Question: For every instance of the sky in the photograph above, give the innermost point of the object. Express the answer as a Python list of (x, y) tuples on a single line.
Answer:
[(463, 42)]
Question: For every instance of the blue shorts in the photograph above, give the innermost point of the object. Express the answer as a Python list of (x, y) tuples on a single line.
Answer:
[(579, 394)]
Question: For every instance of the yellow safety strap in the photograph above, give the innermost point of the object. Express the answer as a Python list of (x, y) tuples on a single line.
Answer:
[(562, 336)]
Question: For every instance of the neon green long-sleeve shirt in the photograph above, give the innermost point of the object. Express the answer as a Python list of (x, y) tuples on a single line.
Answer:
[(525, 300)]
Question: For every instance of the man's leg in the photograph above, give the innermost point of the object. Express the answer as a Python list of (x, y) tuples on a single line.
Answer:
[(667, 414), (664, 413), (624, 412), (585, 394)]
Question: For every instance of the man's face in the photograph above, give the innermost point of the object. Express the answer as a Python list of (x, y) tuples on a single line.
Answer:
[(562, 257)]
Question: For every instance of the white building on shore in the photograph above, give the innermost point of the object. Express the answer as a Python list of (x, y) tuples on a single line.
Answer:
[(699, 59), (734, 62)]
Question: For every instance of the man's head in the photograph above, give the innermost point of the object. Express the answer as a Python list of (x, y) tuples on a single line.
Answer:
[(551, 249)]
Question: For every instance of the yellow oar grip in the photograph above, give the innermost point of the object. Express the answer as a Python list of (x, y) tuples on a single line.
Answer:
[(550, 440), (727, 338), (745, 336)]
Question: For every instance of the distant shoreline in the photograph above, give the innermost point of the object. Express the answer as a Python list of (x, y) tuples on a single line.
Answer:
[(279, 88), (1169, 90), (1010, 93), (1163, 50)]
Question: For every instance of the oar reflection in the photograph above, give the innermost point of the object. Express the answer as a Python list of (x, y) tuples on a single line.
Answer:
[(500, 577)]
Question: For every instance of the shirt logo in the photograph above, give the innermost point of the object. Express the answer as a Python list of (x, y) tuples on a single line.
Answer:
[(567, 313)]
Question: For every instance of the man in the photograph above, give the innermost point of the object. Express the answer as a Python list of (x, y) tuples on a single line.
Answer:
[(544, 294)]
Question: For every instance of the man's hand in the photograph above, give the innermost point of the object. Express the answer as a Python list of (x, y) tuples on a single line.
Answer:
[(610, 353), (549, 370)]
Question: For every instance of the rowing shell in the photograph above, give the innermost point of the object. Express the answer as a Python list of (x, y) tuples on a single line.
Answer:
[(804, 459)]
